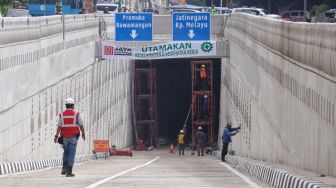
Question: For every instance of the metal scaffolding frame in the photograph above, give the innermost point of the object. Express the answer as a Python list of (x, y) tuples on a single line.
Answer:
[(145, 104), (203, 113)]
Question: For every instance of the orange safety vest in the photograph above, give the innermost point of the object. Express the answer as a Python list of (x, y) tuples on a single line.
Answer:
[(180, 138), (69, 123), (203, 73)]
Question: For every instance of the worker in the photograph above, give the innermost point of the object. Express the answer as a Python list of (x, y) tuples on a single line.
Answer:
[(227, 133), (203, 72), (180, 140), (203, 76), (200, 140), (69, 126), (213, 10)]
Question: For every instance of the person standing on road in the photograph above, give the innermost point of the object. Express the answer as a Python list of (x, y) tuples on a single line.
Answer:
[(180, 140), (69, 126), (200, 140), (227, 133)]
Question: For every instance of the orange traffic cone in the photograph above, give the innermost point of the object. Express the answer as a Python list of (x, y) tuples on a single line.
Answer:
[(171, 149)]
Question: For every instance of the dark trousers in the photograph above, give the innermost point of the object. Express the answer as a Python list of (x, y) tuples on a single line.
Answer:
[(181, 149), (200, 149), (224, 151)]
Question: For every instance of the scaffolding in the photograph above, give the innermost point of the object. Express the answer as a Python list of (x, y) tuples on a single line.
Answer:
[(203, 99), (145, 104)]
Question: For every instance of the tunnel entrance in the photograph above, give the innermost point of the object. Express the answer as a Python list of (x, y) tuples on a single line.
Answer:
[(169, 81)]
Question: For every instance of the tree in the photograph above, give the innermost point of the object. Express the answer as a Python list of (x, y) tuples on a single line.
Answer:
[(4, 6), (24, 3), (316, 10)]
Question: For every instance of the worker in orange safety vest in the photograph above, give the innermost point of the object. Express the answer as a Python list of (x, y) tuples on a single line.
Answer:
[(69, 126), (180, 140), (203, 76)]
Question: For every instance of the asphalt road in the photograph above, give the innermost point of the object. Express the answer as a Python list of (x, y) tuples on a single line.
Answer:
[(147, 169)]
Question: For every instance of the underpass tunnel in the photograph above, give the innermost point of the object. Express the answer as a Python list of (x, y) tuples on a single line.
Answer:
[(174, 96), (173, 90)]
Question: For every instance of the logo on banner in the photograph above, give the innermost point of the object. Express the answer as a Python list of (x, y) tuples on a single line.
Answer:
[(206, 47), (122, 51), (108, 50)]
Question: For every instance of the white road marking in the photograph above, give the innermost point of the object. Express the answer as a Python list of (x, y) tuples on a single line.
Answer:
[(120, 174), (242, 176)]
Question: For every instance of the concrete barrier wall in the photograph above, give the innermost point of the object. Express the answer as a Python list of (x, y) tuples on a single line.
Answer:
[(286, 108), (43, 61), (310, 44)]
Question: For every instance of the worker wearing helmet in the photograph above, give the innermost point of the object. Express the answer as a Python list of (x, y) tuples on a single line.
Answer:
[(226, 138), (69, 126), (180, 140), (203, 76), (200, 140), (203, 72)]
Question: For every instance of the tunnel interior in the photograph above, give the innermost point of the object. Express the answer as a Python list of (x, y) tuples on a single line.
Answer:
[(174, 96)]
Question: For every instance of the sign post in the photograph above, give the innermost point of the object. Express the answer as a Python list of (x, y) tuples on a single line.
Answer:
[(133, 26), (191, 26)]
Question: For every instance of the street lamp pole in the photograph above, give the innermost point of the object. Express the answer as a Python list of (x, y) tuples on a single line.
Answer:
[(305, 9)]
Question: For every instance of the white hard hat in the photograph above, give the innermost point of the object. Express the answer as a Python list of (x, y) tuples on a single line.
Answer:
[(69, 101), (205, 96), (181, 131), (199, 127)]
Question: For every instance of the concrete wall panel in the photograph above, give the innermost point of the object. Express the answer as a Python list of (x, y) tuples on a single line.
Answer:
[(303, 42), (44, 60), (285, 104)]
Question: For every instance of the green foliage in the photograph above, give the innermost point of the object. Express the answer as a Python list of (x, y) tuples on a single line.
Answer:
[(24, 3), (4, 6), (318, 9)]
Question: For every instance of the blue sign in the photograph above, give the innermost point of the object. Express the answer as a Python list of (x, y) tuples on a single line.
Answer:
[(133, 26), (191, 26)]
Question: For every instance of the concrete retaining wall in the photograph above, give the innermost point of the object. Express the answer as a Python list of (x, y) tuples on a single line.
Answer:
[(310, 44), (286, 108), (44, 60)]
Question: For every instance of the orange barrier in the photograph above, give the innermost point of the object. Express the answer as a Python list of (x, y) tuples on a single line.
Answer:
[(171, 149), (127, 152), (140, 145), (101, 146)]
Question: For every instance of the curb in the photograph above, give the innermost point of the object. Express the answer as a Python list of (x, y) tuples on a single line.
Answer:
[(275, 177), (24, 166)]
